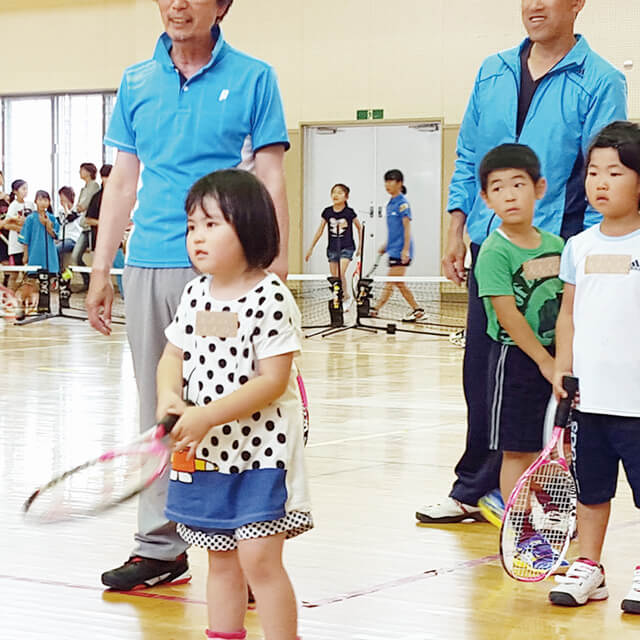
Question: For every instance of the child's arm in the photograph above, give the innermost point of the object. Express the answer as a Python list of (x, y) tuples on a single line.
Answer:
[(270, 383), (169, 382), (564, 340), (515, 324), (406, 249), (358, 226), (317, 237)]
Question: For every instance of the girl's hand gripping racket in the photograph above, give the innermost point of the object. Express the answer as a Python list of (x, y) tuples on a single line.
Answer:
[(103, 482), (540, 514)]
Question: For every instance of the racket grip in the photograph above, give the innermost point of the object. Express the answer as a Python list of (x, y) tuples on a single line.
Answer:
[(570, 385), (166, 424)]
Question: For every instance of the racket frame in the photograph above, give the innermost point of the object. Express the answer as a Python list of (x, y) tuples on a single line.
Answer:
[(556, 443), (150, 440)]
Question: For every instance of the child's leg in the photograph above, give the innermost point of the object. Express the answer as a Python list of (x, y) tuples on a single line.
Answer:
[(226, 592), (344, 266), (592, 525), (261, 561), (514, 464)]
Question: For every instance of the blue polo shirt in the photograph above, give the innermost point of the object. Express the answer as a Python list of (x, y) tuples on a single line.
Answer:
[(397, 209), (39, 243), (182, 130)]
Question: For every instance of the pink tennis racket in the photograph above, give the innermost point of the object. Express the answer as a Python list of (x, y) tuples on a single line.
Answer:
[(540, 515), (103, 482), (305, 408)]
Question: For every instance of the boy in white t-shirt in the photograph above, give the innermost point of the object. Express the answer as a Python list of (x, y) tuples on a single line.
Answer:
[(597, 341)]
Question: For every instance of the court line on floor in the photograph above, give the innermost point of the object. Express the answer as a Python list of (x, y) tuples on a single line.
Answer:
[(307, 604)]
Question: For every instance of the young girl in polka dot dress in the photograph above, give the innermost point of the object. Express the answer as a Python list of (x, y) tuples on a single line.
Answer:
[(238, 484)]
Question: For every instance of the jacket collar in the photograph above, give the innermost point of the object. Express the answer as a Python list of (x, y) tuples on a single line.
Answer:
[(574, 59), (162, 53)]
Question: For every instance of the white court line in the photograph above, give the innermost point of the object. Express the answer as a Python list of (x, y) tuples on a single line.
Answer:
[(373, 436)]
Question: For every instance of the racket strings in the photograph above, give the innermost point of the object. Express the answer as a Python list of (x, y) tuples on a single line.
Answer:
[(538, 525), (96, 486)]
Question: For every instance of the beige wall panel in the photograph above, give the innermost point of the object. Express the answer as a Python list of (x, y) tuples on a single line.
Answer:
[(293, 171), (412, 58)]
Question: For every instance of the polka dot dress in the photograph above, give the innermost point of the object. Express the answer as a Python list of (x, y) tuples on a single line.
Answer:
[(222, 342)]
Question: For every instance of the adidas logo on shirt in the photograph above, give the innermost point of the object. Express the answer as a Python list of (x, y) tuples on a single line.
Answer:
[(635, 265)]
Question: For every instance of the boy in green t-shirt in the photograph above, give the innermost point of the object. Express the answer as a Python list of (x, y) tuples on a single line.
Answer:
[(517, 272)]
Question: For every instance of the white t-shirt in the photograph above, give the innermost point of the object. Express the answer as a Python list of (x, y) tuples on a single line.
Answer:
[(16, 210), (251, 469), (606, 346), (68, 230)]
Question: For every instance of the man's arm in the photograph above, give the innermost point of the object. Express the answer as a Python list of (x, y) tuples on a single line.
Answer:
[(608, 104), (117, 203), (269, 167), (462, 191)]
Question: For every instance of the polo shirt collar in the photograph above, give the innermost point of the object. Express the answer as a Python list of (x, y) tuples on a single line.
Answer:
[(575, 58), (164, 44)]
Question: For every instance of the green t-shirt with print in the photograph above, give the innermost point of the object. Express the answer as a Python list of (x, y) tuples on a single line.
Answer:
[(529, 275)]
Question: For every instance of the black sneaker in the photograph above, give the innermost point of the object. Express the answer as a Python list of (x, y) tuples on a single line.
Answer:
[(141, 573)]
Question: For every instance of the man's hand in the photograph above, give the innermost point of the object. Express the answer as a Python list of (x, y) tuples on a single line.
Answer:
[(99, 301), (453, 259)]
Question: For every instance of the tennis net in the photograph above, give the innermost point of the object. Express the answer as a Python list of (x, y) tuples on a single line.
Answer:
[(322, 303), (442, 305)]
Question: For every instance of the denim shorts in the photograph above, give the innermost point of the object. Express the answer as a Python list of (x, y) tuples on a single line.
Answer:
[(336, 256)]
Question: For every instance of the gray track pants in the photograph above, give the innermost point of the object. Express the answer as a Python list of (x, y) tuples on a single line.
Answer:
[(152, 297)]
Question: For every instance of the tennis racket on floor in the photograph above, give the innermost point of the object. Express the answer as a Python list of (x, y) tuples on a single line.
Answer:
[(540, 515), (104, 482)]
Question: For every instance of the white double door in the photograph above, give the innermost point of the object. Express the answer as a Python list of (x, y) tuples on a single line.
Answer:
[(359, 156)]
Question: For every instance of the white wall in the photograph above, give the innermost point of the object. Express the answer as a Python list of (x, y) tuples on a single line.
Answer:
[(411, 57)]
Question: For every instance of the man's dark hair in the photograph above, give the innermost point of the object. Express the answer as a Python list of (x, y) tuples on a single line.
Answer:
[(90, 168), (222, 3), (105, 170), (68, 193), (510, 156), (246, 204)]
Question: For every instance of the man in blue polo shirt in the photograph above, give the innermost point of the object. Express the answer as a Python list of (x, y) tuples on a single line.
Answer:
[(197, 106), (552, 93)]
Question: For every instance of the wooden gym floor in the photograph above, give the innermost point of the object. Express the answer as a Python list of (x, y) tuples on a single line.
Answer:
[(387, 420)]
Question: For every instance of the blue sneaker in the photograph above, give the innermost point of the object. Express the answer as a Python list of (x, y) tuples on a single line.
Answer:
[(492, 507), (536, 552)]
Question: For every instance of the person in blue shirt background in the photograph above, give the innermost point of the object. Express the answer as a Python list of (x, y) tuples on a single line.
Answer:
[(198, 105), (552, 93), (39, 232), (399, 245)]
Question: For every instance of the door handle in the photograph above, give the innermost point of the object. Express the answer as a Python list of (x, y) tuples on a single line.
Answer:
[(371, 211), (379, 212)]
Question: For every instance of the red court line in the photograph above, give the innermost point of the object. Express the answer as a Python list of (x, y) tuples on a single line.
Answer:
[(383, 586), (431, 573)]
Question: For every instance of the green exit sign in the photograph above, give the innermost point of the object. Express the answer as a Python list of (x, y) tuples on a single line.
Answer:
[(363, 114), (378, 114)]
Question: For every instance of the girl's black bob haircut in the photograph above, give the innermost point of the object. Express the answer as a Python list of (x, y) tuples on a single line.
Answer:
[(624, 137), (395, 174), (510, 156), (246, 204)]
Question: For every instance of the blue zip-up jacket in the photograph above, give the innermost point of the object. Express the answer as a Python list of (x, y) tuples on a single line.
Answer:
[(573, 102)]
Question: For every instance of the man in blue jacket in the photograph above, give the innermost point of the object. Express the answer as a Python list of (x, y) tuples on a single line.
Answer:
[(552, 93)]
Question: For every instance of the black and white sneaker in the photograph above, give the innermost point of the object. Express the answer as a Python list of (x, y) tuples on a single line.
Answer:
[(142, 573), (631, 603), (414, 316)]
